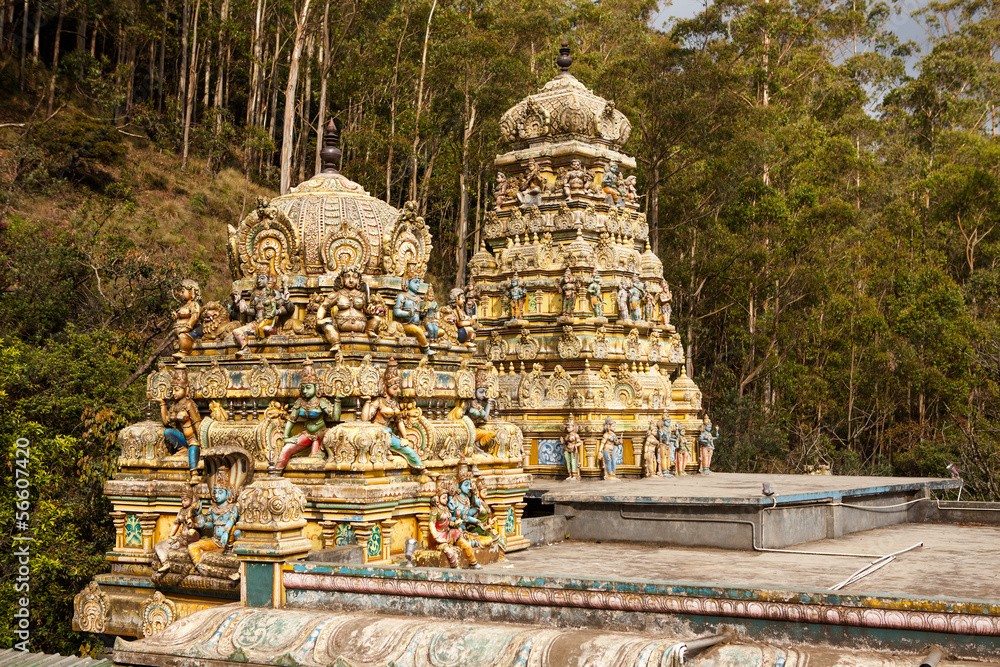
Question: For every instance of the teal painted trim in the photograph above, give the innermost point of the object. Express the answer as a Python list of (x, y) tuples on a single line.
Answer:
[(259, 582), (819, 597), (354, 507), (221, 595)]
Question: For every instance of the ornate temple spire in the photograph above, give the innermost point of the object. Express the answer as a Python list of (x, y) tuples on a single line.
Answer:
[(564, 60), (331, 154)]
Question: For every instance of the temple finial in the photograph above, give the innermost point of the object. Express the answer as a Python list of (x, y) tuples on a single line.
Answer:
[(564, 60), (331, 154)]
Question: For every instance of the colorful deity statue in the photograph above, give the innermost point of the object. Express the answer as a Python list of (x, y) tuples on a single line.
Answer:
[(445, 530), (515, 294), (182, 419), (594, 295), (649, 451), (349, 310), (430, 315), (472, 298), (624, 288), (572, 448), (648, 302), (479, 409), (636, 293), (576, 180), (683, 451), (183, 531), (407, 312), (706, 443), (569, 289), (186, 318), (610, 441), (468, 503), (629, 193), (665, 298), (385, 411), (266, 305), (500, 191), (532, 185), (219, 522), (465, 326), (313, 411), (667, 438), (610, 183)]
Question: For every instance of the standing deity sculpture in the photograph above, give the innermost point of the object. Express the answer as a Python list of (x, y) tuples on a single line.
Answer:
[(472, 298), (609, 183), (576, 180), (649, 451), (182, 419), (665, 298), (465, 326), (445, 530), (569, 289), (313, 411), (347, 311), (667, 438), (610, 441), (406, 311), (683, 451), (624, 288), (386, 412), (187, 317), (636, 294), (430, 314), (515, 294), (265, 305), (500, 191), (220, 523), (532, 186), (706, 443), (648, 302), (572, 448), (594, 295)]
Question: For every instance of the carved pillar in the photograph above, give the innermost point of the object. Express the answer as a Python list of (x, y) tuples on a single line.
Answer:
[(271, 522), (423, 529), (387, 526), (118, 518), (329, 534), (148, 524), (518, 513), (363, 531)]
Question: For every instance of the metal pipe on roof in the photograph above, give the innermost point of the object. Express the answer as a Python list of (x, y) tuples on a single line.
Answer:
[(933, 658)]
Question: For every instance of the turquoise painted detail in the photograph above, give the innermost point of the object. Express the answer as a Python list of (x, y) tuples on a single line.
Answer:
[(375, 542), (509, 525), (259, 579), (133, 531), (343, 534)]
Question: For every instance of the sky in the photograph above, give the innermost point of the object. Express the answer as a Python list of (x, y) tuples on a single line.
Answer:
[(905, 27)]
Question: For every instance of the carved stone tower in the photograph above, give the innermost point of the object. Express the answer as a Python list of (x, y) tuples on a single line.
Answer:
[(566, 342)]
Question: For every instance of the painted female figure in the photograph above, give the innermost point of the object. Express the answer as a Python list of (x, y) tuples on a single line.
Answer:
[(386, 412), (310, 409), (609, 442), (186, 318), (182, 419)]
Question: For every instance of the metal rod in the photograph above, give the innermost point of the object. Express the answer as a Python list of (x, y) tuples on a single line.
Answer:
[(933, 658), (862, 573), (702, 643)]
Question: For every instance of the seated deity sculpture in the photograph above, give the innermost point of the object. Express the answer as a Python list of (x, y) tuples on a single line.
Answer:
[(266, 305), (576, 180), (349, 310)]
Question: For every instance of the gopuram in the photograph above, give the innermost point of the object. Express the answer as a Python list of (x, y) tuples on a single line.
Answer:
[(575, 307), (333, 405)]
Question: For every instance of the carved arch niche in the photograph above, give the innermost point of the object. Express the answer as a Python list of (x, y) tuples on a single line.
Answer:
[(266, 241)]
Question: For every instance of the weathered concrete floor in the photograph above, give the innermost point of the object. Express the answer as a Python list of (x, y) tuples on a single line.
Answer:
[(728, 488), (956, 562)]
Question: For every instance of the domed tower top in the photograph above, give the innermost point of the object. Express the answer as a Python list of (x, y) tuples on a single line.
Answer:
[(326, 224), (565, 109)]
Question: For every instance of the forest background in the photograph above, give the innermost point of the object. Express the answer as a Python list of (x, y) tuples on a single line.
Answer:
[(827, 221)]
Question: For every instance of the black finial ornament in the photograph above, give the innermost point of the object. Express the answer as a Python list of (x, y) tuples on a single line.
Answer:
[(564, 60), (331, 154)]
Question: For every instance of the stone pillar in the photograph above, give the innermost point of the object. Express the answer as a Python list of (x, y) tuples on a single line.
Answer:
[(518, 513), (387, 526), (118, 518), (271, 522), (148, 524), (423, 529), (363, 531), (329, 534)]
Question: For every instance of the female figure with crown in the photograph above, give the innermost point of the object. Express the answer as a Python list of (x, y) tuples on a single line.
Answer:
[(385, 411), (310, 409), (182, 419)]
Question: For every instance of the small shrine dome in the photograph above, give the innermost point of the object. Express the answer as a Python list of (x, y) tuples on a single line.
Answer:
[(565, 108), (326, 224)]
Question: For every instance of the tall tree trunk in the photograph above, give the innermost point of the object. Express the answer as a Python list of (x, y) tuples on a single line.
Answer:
[(208, 74), (463, 186), (81, 28), (288, 122), (324, 72), (22, 72), (130, 94), (223, 19), (392, 113), (653, 207), (55, 57), (420, 105), (35, 53), (163, 55), (192, 85), (182, 75), (93, 39), (306, 112)]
